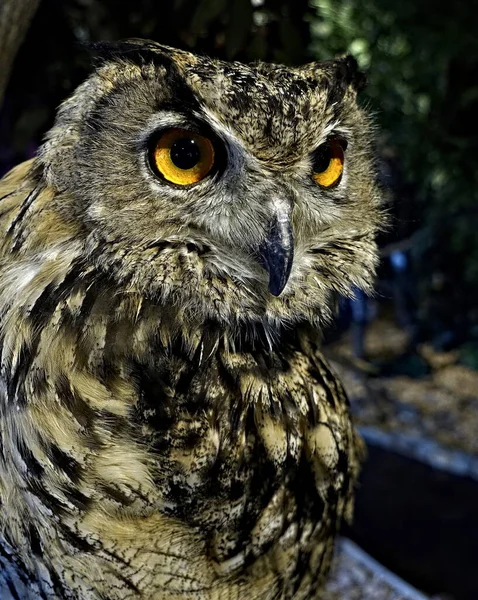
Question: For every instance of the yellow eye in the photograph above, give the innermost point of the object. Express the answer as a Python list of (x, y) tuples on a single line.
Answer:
[(328, 163), (183, 157)]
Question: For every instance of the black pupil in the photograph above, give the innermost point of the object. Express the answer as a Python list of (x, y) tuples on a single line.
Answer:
[(322, 158), (185, 153)]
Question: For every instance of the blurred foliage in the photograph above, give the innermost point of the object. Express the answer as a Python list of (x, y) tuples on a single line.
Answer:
[(422, 63), (421, 57)]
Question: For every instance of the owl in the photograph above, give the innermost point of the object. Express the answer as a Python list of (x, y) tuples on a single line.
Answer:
[(169, 427)]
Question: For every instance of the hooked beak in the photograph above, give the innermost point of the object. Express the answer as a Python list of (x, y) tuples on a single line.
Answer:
[(276, 252)]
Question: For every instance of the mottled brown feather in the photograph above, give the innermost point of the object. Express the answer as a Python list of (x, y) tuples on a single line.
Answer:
[(169, 429)]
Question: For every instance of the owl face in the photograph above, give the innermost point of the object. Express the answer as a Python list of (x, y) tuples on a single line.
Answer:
[(234, 191)]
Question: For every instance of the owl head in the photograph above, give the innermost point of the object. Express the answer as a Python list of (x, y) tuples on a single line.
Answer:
[(239, 193)]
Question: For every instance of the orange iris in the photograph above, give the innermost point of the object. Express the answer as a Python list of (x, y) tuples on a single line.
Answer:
[(183, 157), (328, 163)]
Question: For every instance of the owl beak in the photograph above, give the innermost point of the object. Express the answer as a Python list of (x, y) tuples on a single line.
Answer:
[(276, 253)]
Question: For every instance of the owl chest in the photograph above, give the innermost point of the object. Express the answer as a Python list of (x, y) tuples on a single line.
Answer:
[(236, 455)]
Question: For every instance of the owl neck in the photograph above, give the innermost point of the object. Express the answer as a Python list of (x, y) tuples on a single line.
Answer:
[(136, 327), (84, 351)]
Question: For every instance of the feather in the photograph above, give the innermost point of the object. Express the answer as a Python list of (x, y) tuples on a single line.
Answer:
[(169, 429)]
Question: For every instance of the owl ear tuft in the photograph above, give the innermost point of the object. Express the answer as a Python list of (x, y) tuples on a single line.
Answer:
[(344, 74), (135, 50), (348, 72)]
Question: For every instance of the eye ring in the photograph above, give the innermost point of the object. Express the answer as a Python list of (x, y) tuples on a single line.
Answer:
[(328, 163), (182, 157)]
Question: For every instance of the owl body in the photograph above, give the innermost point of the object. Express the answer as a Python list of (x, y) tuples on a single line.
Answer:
[(169, 427)]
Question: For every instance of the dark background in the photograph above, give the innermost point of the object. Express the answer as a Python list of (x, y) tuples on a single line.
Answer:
[(421, 60)]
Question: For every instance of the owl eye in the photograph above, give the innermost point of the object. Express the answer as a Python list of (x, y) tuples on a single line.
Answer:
[(182, 157), (328, 163)]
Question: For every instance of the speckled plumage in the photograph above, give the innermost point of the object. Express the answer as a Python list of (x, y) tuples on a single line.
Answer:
[(169, 428)]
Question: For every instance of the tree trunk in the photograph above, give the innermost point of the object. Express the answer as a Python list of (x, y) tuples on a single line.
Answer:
[(15, 17)]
